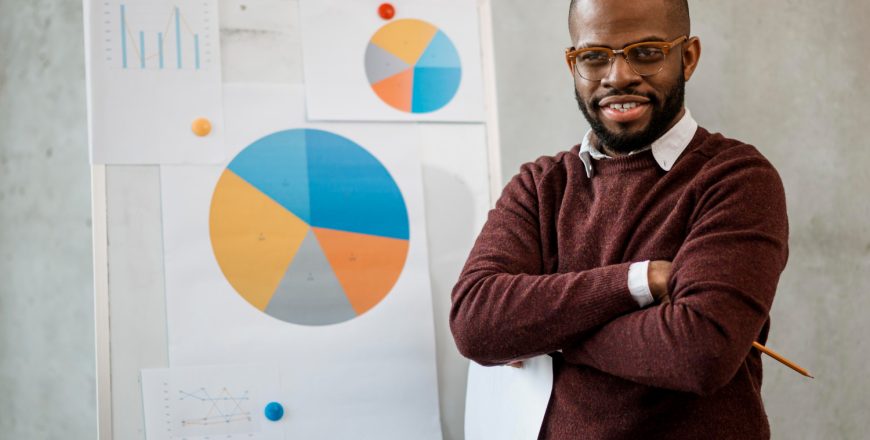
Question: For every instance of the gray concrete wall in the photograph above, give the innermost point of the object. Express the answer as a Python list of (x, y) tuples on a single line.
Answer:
[(791, 78), (46, 293)]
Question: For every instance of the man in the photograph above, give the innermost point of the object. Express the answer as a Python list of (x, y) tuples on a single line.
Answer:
[(644, 260)]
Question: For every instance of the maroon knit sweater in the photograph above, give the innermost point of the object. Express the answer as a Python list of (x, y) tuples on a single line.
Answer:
[(549, 272)]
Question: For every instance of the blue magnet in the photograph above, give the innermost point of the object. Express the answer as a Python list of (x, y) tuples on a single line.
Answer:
[(274, 411)]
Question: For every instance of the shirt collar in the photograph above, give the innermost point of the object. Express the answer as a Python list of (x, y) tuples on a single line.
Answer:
[(665, 149)]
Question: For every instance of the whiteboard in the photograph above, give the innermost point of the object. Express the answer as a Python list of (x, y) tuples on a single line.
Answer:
[(261, 42)]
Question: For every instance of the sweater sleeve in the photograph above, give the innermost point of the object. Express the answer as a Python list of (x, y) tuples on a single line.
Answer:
[(505, 308), (722, 284)]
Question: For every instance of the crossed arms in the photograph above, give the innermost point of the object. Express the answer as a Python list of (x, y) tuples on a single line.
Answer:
[(720, 289)]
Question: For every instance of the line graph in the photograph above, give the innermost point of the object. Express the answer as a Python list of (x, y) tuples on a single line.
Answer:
[(224, 408), (212, 409), (157, 35), (209, 402)]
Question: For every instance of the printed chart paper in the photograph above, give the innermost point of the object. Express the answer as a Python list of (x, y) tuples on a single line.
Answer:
[(154, 69), (308, 250), (224, 402), (508, 403), (423, 64)]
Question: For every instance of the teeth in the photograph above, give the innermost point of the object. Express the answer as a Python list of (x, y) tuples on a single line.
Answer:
[(623, 107)]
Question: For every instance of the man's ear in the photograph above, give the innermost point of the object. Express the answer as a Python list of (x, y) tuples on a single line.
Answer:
[(691, 55)]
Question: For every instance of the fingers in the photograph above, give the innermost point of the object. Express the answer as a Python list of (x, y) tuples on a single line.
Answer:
[(659, 273)]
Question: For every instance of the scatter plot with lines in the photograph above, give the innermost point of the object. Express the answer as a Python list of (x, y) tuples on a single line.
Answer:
[(204, 402), (218, 407)]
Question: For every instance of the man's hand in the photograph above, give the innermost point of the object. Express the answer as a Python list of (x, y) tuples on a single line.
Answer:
[(658, 275)]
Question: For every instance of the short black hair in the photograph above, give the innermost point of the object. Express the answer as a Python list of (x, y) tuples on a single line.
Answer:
[(678, 9)]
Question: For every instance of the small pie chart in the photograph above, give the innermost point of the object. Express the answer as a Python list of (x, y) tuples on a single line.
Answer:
[(309, 227), (413, 66)]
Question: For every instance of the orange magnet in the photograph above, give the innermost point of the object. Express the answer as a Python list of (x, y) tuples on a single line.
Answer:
[(201, 127), (386, 11)]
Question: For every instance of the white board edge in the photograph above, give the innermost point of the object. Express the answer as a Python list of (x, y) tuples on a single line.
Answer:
[(99, 224), (487, 49)]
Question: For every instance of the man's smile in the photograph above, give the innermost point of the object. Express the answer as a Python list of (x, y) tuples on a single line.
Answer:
[(624, 108)]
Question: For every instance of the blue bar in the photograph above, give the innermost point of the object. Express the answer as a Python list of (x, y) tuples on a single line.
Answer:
[(142, 49), (178, 37), (160, 47), (196, 47), (123, 38)]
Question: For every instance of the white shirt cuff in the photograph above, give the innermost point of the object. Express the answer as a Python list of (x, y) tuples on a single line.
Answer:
[(638, 283)]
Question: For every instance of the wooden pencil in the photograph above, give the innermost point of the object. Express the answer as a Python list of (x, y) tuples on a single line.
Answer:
[(780, 358)]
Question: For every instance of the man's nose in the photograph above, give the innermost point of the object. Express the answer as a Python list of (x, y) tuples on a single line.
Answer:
[(621, 76)]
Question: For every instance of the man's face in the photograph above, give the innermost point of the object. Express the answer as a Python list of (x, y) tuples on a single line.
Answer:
[(658, 98)]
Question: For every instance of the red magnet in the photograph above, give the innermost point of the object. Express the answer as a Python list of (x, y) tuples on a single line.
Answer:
[(386, 11)]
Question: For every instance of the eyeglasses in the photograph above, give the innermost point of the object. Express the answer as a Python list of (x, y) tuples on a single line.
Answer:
[(645, 59)]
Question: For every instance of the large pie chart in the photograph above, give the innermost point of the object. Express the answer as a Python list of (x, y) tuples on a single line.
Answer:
[(413, 66), (309, 227)]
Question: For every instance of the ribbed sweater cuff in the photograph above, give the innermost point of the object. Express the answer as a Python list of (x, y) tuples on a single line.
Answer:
[(610, 290)]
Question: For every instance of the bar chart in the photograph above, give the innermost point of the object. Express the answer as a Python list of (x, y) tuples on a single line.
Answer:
[(157, 35), (155, 54)]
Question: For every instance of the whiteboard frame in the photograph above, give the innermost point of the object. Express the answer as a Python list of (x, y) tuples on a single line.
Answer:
[(100, 210), (101, 301)]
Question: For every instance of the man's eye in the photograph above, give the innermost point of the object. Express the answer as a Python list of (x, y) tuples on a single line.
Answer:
[(594, 57), (647, 54)]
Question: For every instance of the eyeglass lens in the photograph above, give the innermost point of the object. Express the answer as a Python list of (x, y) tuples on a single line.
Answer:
[(645, 60)]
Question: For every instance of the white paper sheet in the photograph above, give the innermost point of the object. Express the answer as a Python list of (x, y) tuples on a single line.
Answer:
[(370, 377), (340, 67), (154, 68), (508, 403), (224, 402)]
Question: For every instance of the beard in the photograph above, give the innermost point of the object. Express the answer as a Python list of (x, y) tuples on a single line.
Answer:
[(663, 114)]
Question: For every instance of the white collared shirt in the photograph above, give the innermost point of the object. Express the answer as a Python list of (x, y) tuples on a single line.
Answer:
[(666, 150)]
